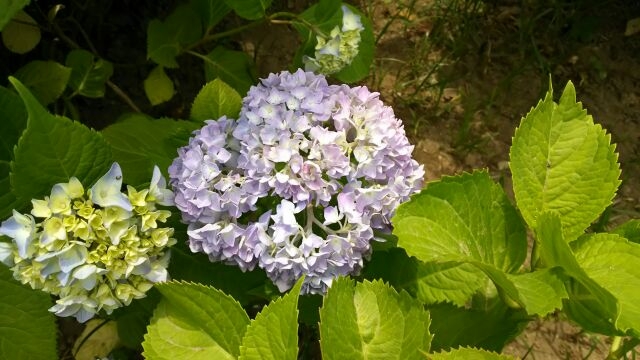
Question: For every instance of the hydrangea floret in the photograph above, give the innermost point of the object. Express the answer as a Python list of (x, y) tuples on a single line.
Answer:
[(339, 48), (299, 184), (95, 250)]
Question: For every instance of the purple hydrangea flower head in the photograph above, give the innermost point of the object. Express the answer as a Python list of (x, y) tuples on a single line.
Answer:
[(298, 184)]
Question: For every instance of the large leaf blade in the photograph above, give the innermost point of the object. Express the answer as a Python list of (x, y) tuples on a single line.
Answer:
[(273, 334), (372, 321), (561, 161), (27, 329), (195, 321), (53, 149)]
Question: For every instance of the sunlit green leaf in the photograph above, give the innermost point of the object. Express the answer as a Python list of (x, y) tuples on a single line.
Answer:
[(196, 322), (469, 354), (45, 79), (139, 142), (273, 334), (561, 161), (158, 86), (27, 329), (428, 282), (601, 312), (88, 73), (372, 320), (52, 149), (216, 99)]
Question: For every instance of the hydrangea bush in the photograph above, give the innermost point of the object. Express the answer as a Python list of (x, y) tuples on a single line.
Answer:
[(299, 183), (95, 250)]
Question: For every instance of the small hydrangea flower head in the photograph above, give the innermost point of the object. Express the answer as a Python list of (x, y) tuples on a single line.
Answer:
[(337, 50), (95, 251), (299, 183)]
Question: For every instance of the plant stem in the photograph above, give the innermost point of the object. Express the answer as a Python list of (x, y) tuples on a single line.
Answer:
[(72, 44), (619, 347)]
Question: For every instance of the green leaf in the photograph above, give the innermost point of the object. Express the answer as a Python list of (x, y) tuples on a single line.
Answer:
[(468, 219), (45, 79), (88, 73), (612, 262), (629, 230), (166, 39), (52, 149), (216, 99), (9, 9), (27, 329), (14, 121), (428, 282), (233, 67), (462, 218), (469, 354), (372, 320), (158, 86), (196, 322), (541, 291), (210, 11), (561, 161), (133, 319), (249, 9), (487, 323), (273, 334), (246, 287), (139, 142), (22, 34), (8, 200), (601, 311)]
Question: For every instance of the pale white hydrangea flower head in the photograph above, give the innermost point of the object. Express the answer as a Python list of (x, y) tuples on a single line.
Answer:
[(337, 50), (95, 251)]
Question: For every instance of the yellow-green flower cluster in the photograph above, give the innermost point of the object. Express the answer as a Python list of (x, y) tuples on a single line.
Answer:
[(95, 250), (336, 51)]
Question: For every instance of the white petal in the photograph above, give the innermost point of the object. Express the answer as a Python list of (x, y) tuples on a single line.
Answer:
[(106, 191)]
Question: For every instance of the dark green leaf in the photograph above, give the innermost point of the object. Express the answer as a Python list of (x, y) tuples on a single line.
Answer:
[(27, 329), (9, 9), (249, 9), (53, 149), (139, 142), (14, 121), (88, 73), (166, 39), (45, 79), (210, 11), (233, 67), (488, 324)]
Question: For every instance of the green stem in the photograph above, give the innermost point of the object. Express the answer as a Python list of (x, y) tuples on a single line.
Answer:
[(619, 348)]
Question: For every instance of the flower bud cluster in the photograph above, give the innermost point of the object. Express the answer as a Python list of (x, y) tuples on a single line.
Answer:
[(97, 250), (298, 184), (336, 51)]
